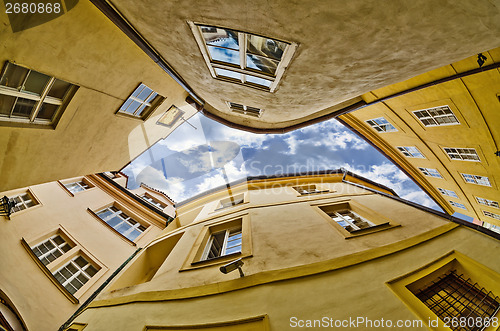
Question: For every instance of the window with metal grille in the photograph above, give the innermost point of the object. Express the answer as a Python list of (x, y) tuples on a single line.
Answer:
[(121, 222), (490, 214), (487, 202), (153, 201), (430, 172), (243, 58), (51, 249), (231, 201), (453, 296), (28, 96), (75, 274), (475, 179), (76, 187), (245, 110), (410, 151), (449, 193), (462, 154), (457, 204), (381, 125), (141, 102), (223, 243), (23, 201), (351, 221), (436, 116)]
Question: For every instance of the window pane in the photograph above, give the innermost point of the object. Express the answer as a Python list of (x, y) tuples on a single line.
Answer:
[(6, 103), (138, 90), (262, 63), (59, 89), (47, 111), (220, 37), (14, 76), (91, 271), (258, 81), (23, 107), (266, 47), (114, 221), (133, 234), (133, 107), (145, 93), (227, 73), (224, 55), (126, 104), (36, 82)]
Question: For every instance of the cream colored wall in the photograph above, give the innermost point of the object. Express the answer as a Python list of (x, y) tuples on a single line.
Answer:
[(41, 304), (82, 47)]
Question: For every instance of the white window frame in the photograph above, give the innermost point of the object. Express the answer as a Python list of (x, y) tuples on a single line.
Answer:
[(24, 203), (427, 116), (430, 172), (80, 271), (56, 247), (242, 68), (492, 215), (81, 186), (225, 246), (308, 189), (39, 99), (462, 154), (337, 215), (152, 201), (245, 110), (132, 224), (457, 204), (381, 125), (476, 179), (411, 152), (446, 192), (146, 105), (487, 202)]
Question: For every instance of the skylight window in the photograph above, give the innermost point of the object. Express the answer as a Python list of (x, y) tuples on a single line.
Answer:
[(243, 58)]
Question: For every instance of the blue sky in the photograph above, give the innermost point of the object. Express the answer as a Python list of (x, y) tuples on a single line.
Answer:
[(183, 165)]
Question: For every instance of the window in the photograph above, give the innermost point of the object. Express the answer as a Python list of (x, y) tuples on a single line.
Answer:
[(381, 125), (449, 193), (454, 296), (141, 102), (153, 201), (28, 96), (308, 189), (487, 202), (51, 249), (121, 222), (456, 204), (231, 201), (430, 172), (223, 243), (410, 151), (474, 179), (436, 116), (492, 215), (351, 221), (76, 187), (23, 201), (492, 227), (462, 154), (243, 58), (170, 117), (245, 110), (75, 274)]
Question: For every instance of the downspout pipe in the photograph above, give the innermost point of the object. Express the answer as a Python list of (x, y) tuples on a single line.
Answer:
[(99, 290)]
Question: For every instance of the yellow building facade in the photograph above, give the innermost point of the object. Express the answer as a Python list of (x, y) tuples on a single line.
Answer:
[(64, 239), (330, 249), (442, 129)]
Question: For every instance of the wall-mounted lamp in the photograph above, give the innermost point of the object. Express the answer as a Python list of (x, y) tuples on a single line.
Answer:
[(6, 206), (231, 266)]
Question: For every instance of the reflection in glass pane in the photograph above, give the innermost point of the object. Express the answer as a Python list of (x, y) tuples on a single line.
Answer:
[(224, 55), (259, 81), (266, 47), (6, 103), (220, 37), (36, 82), (47, 111), (262, 63), (59, 89), (23, 107), (145, 93), (14, 76), (133, 107), (138, 90), (141, 109), (152, 96), (227, 73)]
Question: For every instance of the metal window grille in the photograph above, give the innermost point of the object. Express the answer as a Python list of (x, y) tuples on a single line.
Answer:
[(430, 172), (75, 274), (381, 125), (487, 202), (436, 116), (121, 222), (449, 193), (453, 296), (223, 243), (410, 151), (462, 154), (51, 249)]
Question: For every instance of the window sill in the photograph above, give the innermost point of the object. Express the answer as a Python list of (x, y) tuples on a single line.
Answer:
[(373, 229), (215, 261), (47, 272), (111, 228)]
